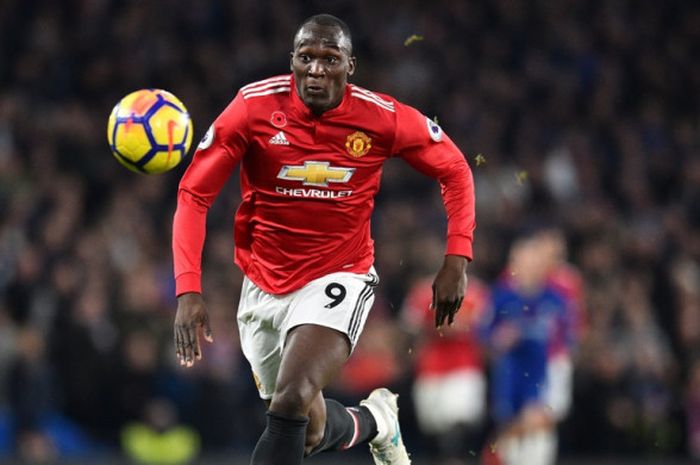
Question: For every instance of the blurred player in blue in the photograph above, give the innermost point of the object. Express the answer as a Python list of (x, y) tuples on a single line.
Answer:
[(527, 312)]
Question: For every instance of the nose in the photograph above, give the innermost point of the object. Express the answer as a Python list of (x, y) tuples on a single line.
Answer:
[(316, 68)]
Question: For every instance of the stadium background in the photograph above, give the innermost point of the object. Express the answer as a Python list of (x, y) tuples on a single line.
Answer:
[(584, 111)]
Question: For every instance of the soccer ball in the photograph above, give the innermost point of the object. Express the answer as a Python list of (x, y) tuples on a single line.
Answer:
[(149, 131)]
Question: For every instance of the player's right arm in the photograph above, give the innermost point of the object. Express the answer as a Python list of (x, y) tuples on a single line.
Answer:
[(218, 153)]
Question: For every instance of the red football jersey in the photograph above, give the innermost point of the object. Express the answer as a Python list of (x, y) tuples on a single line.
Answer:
[(308, 183), (454, 347)]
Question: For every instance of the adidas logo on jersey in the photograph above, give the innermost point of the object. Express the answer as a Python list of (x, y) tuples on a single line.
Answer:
[(279, 139)]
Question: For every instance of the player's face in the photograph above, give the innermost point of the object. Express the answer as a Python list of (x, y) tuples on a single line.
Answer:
[(321, 64)]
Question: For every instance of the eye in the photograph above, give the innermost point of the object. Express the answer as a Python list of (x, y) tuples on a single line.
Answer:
[(303, 58), (331, 60)]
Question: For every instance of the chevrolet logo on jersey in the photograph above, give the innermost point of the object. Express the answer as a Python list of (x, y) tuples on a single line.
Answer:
[(315, 173)]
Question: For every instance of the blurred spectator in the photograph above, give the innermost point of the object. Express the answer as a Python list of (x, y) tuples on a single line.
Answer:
[(83, 351), (41, 432), (159, 439), (32, 399), (138, 374)]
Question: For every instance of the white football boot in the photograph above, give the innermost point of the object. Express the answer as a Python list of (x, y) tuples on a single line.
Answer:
[(387, 446)]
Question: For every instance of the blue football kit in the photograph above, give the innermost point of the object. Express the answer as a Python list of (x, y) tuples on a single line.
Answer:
[(519, 372)]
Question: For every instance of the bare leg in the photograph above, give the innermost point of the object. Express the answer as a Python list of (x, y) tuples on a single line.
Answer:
[(312, 357)]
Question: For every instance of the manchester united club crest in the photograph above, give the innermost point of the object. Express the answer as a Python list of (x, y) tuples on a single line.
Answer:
[(358, 144)]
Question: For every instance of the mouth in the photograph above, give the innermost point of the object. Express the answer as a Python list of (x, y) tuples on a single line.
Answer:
[(315, 90)]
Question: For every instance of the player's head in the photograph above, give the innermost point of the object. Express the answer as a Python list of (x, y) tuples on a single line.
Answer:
[(553, 246), (322, 61), (530, 260)]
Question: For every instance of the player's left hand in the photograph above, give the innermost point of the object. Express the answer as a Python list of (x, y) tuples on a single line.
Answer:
[(448, 289)]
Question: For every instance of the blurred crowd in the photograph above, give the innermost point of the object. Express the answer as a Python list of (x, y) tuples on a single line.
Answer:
[(583, 113)]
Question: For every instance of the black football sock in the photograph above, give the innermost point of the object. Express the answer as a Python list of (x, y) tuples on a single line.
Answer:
[(345, 427), (282, 442)]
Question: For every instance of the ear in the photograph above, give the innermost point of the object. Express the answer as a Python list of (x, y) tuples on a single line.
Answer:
[(352, 63), (291, 61)]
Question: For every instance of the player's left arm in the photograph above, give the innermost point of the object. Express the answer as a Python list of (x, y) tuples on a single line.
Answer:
[(425, 147)]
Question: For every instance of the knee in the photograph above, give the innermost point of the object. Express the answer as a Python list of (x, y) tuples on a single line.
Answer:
[(293, 399)]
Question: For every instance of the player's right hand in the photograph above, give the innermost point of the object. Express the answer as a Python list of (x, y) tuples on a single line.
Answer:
[(191, 317)]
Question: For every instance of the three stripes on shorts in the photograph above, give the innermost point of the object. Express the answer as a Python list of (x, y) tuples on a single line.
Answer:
[(359, 310)]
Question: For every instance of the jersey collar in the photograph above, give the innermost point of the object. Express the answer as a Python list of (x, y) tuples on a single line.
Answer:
[(304, 111)]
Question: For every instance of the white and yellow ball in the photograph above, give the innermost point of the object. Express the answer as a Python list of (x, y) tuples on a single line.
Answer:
[(150, 131)]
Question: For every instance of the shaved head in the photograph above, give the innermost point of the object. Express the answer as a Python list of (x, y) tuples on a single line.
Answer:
[(309, 31), (322, 61)]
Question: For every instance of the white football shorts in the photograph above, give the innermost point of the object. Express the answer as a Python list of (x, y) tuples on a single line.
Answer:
[(444, 401), (560, 385), (340, 301)]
